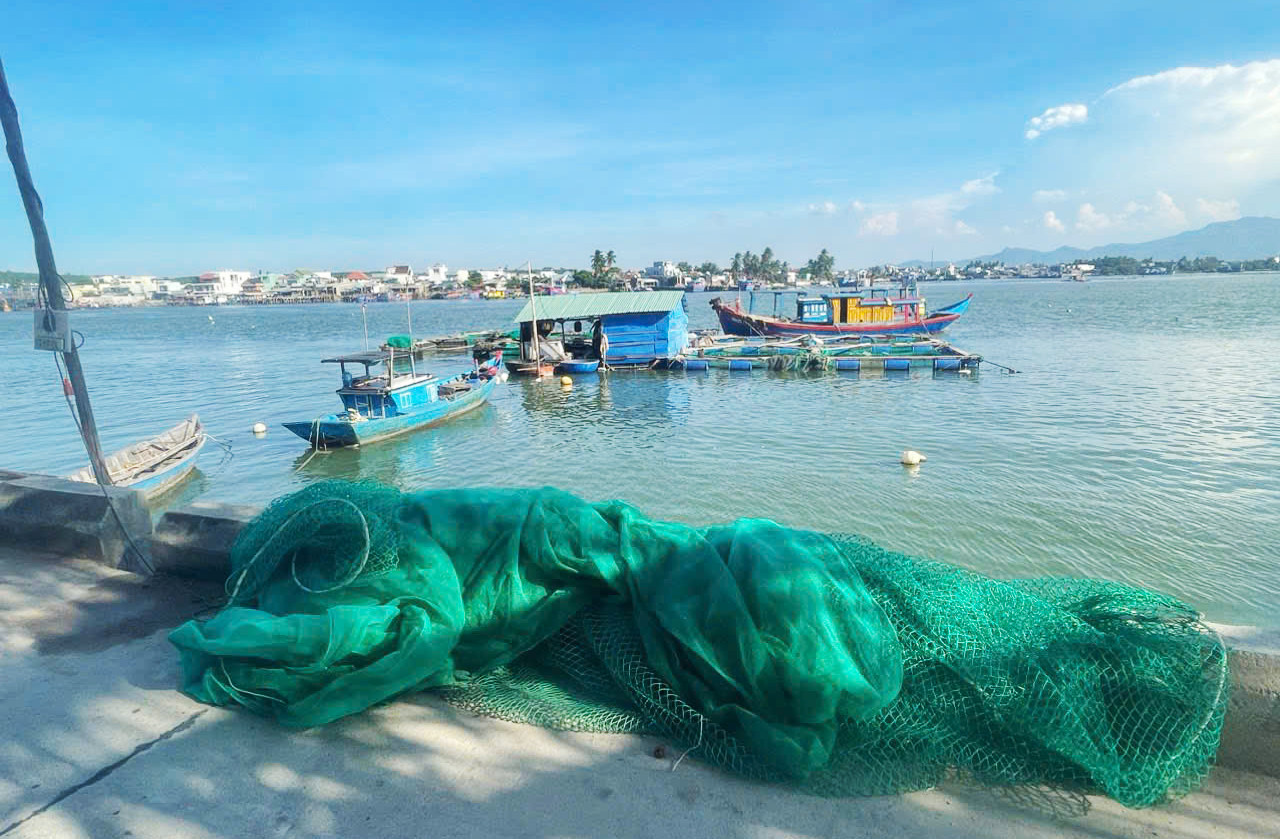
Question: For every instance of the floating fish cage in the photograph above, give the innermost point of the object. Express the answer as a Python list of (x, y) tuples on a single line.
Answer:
[(801, 355)]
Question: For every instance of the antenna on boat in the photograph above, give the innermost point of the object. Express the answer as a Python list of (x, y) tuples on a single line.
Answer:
[(364, 316)]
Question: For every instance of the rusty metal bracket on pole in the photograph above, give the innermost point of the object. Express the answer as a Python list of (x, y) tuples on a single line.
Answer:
[(50, 281)]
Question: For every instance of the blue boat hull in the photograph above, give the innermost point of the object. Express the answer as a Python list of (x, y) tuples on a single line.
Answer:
[(578, 367), (334, 430)]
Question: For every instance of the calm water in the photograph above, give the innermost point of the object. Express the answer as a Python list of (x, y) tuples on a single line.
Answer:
[(1141, 442)]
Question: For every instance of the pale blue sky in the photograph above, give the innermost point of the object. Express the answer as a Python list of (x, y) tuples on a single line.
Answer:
[(275, 135)]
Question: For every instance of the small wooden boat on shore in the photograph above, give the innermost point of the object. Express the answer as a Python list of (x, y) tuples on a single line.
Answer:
[(157, 464), (378, 405), (871, 312)]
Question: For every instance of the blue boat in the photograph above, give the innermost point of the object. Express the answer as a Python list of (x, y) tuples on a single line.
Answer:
[(382, 404), (578, 365), (156, 465)]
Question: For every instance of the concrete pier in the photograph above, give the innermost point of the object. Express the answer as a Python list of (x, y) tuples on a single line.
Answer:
[(75, 519)]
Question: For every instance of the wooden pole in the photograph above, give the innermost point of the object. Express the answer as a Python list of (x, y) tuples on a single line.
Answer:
[(533, 310), (50, 282)]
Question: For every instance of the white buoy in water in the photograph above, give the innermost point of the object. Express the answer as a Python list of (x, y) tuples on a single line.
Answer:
[(911, 457), (566, 381), (210, 318), (259, 428)]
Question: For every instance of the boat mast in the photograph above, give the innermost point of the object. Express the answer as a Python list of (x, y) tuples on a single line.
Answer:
[(50, 282), (408, 313), (533, 310)]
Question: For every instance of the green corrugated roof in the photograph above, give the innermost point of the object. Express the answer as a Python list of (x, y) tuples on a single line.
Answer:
[(566, 306)]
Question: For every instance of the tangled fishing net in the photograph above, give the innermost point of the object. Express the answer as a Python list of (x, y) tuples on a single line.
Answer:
[(821, 661)]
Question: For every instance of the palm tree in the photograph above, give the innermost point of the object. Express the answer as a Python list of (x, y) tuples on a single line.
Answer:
[(597, 263), (736, 265), (609, 259), (768, 267)]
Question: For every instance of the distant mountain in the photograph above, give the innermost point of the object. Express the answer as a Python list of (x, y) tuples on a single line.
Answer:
[(1253, 237)]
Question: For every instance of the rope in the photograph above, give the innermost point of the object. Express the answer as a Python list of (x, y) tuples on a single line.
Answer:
[(293, 562), (143, 560), (318, 444), (1010, 370)]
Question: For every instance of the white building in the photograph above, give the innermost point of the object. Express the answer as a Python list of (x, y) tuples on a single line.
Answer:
[(662, 271), (223, 282), (436, 275), (401, 274)]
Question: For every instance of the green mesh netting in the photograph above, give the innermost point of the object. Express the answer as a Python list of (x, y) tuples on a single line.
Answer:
[(784, 655)]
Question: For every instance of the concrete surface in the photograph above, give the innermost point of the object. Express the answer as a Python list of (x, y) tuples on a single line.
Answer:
[(96, 742), (47, 513), (195, 541)]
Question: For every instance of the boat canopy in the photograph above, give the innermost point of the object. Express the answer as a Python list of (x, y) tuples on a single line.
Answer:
[(601, 304), (368, 357)]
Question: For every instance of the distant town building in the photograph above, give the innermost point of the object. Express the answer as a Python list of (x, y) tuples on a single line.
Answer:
[(662, 271), (436, 275), (399, 274)]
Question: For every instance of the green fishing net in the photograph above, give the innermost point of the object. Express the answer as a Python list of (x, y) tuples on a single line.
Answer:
[(822, 661)]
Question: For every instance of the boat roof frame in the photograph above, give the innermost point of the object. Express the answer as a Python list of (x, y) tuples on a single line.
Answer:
[(368, 358)]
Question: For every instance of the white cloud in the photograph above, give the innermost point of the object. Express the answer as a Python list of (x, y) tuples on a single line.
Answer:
[(1006, 229), (1197, 127), (1052, 222), (881, 224), (964, 229), (1166, 210), (857, 206), (826, 208), (1089, 219), (1163, 211), (1224, 210), (1048, 196), (985, 185), (1056, 117)]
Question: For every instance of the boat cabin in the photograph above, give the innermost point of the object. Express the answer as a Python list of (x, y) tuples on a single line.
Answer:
[(621, 328), (387, 385), (863, 307)]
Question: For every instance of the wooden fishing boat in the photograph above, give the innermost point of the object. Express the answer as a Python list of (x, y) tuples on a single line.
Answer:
[(532, 360), (529, 368), (871, 312), (382, 404), (155, 465)]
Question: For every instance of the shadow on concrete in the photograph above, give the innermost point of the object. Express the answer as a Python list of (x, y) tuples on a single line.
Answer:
[(417, 767), (119, 609)]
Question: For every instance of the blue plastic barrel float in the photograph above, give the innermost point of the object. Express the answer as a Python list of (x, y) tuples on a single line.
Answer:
[(695, 364), (848, 364), (739, 364), (897, 364), (946, 363)]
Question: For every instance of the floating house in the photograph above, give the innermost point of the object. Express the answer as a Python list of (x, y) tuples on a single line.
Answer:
[(622, 328)]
